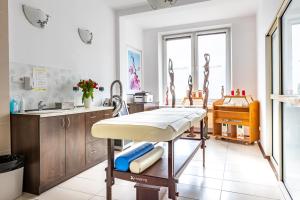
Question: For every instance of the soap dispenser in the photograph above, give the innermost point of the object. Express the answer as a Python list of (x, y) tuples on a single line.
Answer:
[(22, 105), (13, 104)]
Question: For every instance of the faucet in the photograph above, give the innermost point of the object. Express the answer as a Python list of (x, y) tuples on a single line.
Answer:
[(41, 105)]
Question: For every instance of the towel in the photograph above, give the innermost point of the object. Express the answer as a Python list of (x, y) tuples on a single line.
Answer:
[(176, 118)]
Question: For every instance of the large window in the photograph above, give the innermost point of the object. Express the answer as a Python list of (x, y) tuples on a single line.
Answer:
[(180, 51), (187, 53)]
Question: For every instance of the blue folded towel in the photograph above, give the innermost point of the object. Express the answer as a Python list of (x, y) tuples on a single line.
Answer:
[(122, 162)]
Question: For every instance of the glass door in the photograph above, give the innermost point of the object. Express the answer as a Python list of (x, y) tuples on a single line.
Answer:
[(291, 89), (276, 90)]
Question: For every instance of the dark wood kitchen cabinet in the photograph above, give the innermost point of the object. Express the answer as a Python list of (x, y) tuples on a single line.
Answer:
[(141, 107), (52, 150), (95, 147), (56, 148), (75, 143)]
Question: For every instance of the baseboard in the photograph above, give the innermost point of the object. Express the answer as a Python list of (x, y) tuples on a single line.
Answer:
[(269, 159), (284, 192), (262, 150)]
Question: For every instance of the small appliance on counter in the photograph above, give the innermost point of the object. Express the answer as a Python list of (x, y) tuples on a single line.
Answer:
[(65, 105), (130, 98), (142, 97)]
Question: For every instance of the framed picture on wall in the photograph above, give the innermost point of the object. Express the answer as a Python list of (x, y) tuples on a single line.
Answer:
[(134, 67)]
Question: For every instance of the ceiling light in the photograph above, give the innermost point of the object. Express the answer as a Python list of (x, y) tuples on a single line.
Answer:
[(158, 4)]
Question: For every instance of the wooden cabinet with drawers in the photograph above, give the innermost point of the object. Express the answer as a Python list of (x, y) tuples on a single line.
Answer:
[(57, 147), (141, 107), (95, 147)]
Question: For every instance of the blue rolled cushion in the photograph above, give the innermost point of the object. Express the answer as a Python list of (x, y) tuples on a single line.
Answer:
[(122, 162)]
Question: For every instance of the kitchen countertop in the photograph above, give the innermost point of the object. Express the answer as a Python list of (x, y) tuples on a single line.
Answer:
[(53, 113)]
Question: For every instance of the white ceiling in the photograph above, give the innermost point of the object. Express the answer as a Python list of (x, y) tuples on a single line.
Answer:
[(191, 13), (125, 4), (122, 4)]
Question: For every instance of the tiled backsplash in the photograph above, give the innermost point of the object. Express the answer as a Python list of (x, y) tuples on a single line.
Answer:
[(59, 89)]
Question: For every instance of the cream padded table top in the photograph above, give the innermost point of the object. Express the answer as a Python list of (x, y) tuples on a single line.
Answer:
[(153, 126)]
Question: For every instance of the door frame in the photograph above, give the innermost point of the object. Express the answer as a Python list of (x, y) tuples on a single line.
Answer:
[(276, 26)]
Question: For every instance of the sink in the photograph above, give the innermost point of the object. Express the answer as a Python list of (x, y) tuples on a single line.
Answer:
[(38, 112)]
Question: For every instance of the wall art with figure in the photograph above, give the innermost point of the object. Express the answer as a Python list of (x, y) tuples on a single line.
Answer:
[(134, 63)]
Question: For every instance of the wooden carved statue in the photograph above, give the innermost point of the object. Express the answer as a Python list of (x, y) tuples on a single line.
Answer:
[(190, 83), (222, 92), (167, 96), (172, 86), (206, 91)]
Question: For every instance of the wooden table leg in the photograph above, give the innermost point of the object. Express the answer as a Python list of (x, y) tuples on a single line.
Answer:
[(202, 141), (109, 170), (172, 182)]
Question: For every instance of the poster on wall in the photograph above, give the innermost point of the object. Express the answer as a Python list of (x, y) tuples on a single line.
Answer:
[(134, 66), (40, 78)]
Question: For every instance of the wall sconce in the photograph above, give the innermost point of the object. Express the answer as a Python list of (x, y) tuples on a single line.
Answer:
[(86, 36), (36, 17)]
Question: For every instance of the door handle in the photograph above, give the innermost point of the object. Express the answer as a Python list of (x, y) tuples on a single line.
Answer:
[(69, 122), (93, 151), (93, 117), (63, 122)]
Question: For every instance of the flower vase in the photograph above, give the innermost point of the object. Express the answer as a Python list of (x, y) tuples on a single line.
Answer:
[(87, 102)]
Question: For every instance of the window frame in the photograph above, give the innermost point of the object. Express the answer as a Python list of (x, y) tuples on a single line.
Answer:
[(194, 56)]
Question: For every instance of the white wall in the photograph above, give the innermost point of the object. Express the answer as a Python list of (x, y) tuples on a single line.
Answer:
[(130, 35), (265, 16), (243, 52), (58, 45), (4, 80)]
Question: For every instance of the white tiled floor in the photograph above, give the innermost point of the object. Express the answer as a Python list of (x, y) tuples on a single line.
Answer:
[(233, 172)]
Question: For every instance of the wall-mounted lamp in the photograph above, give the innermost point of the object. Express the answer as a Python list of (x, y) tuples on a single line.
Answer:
[(85, 35), (36, 17)]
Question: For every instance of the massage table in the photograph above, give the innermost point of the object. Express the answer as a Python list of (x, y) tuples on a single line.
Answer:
[(163, 125)]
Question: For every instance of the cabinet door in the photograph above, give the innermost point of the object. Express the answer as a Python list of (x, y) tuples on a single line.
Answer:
[(136, 108), (96, 152), (75, 143), (150, 106), (90, 119), (52, 150), (108, 114)]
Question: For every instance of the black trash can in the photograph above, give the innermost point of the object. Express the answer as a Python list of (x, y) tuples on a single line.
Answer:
[(11, 176)]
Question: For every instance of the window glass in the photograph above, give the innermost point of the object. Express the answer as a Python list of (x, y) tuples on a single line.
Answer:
[(215, 46), (187, 53), (180, 51), (291, 86)]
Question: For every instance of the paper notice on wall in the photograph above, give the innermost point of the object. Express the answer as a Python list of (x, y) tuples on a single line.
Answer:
[(40, 78)]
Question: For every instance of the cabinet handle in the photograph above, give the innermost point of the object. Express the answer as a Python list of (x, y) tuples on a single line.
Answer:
[(63, 123), (94, 151), (69, 122), (93, 117)]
